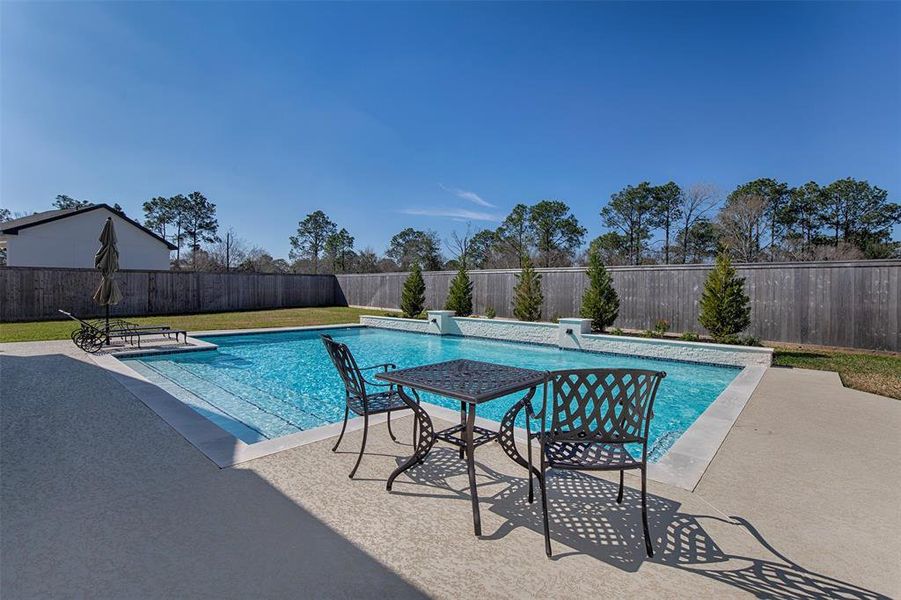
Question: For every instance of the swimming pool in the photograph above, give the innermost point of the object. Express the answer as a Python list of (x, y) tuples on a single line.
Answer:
[(268, 385)]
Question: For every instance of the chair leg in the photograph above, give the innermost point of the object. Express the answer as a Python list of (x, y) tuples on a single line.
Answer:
[(644, 512), (391, 433), (619, 496), (542, 483), (462, 422), (341, 435), (362, 445)]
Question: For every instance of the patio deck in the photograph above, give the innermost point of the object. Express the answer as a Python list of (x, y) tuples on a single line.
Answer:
[(101, 498)]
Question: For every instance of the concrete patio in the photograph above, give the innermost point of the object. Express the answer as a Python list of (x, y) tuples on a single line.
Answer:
[(101, 498)]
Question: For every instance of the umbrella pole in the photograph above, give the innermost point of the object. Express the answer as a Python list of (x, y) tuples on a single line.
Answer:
[(107, 324)]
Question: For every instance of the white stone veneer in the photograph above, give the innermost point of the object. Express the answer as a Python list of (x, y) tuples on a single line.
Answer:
[(572, 334)]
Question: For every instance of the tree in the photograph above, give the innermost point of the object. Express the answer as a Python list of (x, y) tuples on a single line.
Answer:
[(774, 196), (527, 296), (700, 242), (557, 231), (260, 261), (740, 222), (459, 296), (414, 246), (482, 249), (228, 253), (632, 210), (860, 214), (668, 200), (339, 249), (600, 302), (367, 261), (5, 215), (198, 221), (696, 203), (725, 309), (612, 248), (412, 299), (63, 202), (460, 245), (515, 236), (312, 233), (159, 213), (803, 217)]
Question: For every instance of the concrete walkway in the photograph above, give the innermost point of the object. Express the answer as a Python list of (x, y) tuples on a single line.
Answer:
[(100, 498)]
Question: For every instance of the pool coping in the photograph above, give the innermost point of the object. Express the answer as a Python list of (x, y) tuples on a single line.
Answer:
[(683, 465)]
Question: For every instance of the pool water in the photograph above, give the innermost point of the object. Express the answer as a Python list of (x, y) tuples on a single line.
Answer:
[(268, 385)]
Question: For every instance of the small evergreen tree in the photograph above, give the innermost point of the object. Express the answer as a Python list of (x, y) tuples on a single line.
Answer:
[(527, 297), (725, 309), (412, 299), (600, 302), (459, 296)]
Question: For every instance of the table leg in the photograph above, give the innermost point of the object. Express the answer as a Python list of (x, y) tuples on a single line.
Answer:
[(422, 443), (471, 467), (462, 422)]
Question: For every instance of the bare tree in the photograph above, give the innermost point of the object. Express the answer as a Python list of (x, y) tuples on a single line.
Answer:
[(229, 252), (460, 246), (741, 221), (697, 201)]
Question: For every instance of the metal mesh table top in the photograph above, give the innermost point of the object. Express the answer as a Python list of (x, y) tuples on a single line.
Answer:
[(467, 380)]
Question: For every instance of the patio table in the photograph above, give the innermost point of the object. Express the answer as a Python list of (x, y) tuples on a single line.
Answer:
[(472, 383)]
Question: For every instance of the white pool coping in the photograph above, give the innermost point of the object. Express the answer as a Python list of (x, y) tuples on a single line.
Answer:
[(682, 466)]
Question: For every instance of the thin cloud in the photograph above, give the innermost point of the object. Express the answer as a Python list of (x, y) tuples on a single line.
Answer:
[(470, 196), (453, 213)]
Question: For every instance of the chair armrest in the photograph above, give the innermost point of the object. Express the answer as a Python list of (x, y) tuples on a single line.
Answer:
[(384, 366)]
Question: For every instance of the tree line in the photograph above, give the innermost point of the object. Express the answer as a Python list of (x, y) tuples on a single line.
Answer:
[(760, 220)]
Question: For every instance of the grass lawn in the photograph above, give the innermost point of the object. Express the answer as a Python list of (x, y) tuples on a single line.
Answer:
[(865, 371), (283, 317)]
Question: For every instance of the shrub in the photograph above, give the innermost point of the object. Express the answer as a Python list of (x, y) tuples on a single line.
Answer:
[(600, 302), (616, 331), (661, 326), (725, 309), (412, 299), (690, 336), (459, 296), (527, 297), (647, 333), (490, 312)]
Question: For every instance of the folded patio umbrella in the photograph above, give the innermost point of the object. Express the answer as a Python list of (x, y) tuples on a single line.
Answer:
[(107, 262)]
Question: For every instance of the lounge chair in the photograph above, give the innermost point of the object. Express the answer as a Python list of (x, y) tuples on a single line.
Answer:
[(92, 335), (360, 400), (594, 414)]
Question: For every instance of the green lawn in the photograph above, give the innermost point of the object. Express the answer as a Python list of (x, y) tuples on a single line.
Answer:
[(284, 317), (865, 371)]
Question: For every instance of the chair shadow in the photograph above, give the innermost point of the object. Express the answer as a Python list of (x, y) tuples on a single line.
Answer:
[(586, 519)]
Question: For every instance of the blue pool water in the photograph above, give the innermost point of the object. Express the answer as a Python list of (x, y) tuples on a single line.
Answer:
[(268, 385)]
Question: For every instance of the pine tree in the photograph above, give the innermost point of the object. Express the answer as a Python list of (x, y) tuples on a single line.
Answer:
[(600, 302), (459, 296), (412, 300), (725, 309), (527, 298)]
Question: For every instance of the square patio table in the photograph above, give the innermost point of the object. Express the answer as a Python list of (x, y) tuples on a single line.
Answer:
[(471, 382)]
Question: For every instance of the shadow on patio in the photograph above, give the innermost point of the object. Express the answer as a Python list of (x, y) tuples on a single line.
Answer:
[(585, 519)]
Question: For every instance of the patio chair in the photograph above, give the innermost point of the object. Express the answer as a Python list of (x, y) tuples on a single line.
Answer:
[(358, 398), (594, 414)]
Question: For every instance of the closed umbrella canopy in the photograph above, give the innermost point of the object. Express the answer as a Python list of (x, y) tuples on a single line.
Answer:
[(107, 262)]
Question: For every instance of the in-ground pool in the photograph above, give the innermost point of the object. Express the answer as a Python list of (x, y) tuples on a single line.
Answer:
[(267, 385)]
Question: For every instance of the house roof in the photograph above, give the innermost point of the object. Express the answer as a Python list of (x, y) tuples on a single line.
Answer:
[(13, 227)]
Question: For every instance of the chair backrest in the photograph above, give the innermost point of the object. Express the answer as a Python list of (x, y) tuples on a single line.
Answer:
[(346, 365), (84, 324), (604, 405)]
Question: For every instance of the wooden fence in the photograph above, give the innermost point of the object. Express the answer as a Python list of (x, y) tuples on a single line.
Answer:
[(853, 304), (30, 294)]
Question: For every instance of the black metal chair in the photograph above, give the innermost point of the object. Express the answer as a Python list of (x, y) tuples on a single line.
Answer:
[(358, 399), (594, 413)]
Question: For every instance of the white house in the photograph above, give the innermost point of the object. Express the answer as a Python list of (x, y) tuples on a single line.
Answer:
[(69, 238)]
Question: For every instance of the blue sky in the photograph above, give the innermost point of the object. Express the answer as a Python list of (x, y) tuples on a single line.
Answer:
[(429, 115)]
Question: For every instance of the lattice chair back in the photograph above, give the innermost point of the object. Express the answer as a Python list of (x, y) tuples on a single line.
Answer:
[(603, 405), (346, 365)]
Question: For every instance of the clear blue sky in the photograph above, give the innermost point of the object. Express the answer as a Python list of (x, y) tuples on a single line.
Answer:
[(372, 112)]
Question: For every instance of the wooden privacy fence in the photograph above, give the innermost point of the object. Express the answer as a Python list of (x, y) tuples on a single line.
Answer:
[(29, 293), (853, 304)]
